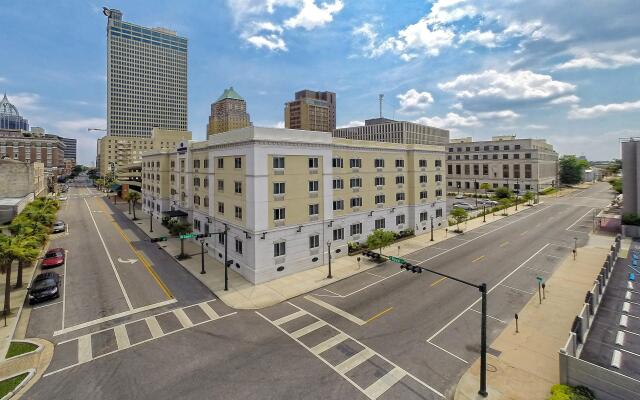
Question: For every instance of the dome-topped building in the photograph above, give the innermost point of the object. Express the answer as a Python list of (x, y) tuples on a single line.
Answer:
[(10, 117)]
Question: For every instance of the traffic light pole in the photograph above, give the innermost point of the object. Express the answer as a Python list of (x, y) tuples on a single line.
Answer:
[(226, 261)]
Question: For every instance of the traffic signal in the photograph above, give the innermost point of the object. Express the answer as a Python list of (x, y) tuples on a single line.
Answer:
[(412, 268), (201, 235), (159, 239), (229, 263)]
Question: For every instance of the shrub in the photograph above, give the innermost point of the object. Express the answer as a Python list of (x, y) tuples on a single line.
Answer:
[(631, 219), (502, 193)]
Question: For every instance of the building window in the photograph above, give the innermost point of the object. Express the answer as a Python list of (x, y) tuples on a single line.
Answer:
[(220, 163), (400, 196), (220, 185), (355, 163), (278, 188), (338, 205), (338, 183), (314, 209), (422, 163), (338, 234), (450, 169), (337, 163), (196, 163), (505, 171), (238, 212), (206, 163), (379, 199), (206, 182), (517, 147), (220, 238), (516, 171), (458, 169), (399, 163), (173, 163), (278, 162), (196, 182), (237, 162), (438, 212), (438, 163), (221, 207), (485, 169), (505, 156), (423, 194), (313, 186), (438, 192), (238, 246), (495, 157), (379, 181), (438, 178), (237, 187), (527, 155), (313, 162), (206, 201), (356, 202), (400, 219), (423, 179), (527, 171), (379, 162), (356, 182), (379, 223), (278, 214), (516, 156), (314, 241), (279, 249), (424, 216), (355, 229), (467, 169)]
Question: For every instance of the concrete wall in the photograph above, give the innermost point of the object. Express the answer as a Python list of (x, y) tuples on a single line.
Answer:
[(630, 156), (17, 178)]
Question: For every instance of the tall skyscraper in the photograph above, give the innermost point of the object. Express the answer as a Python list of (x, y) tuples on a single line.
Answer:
[(228, 112), (311, 111), (146, 78), (10, 117)]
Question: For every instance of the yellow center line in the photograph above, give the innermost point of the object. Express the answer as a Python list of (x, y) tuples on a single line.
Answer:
[(478, 259), (142, 259), (438, 281), (380, 314), (504, 243)]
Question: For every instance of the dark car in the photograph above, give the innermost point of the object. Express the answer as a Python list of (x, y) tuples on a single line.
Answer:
[(46, 286), (53, 258)]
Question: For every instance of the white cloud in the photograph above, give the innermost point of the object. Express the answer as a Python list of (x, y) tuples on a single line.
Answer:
[(311, 16), (352, 124), (271, 42), (570, 99), (24, 101), (602, 109), (450, 121), (601, 61), (80, 126), (279, 124), (447, 11), (486, 38), (535, 126), (413, 101), (502, 114), (517, 85)]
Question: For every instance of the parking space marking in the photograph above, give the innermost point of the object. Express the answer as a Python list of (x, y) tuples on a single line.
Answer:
[(183, 318), (478, 259), (206, 308), (578, 220), (374, 390), (64, 286), (489, 316), (307, 329), (290, 317), (336, 310), (372, 274), (448, 352), (46, 305), (516, 289), (504, 243), (538, 270)]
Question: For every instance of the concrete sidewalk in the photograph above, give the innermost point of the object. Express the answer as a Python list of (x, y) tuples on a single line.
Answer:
[(528, 366), (242, 294)]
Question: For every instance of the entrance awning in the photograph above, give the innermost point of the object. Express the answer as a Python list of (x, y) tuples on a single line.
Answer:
[(115, 187), (175, 213)]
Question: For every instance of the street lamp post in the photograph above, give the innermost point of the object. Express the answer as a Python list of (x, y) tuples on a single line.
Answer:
[(484, 214), (202, 271), (475, 189), (226, 261), (432, 228), (329, 252), (517, 191)]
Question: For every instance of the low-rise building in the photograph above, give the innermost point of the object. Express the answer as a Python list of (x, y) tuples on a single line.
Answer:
[(504, 161), (311, 111), (32, 146), (391, 131), (287, 195), (21, 183)]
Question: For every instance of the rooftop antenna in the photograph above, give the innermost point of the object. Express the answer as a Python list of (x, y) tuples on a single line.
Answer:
[(380, 97)]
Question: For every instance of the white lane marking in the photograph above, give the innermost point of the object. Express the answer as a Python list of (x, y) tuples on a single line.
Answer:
[(206, 308), (538, 270), (307, 329), (516, 289), (371, 284), (46, 305), (336, 310), (84, 349), (578, 220), (383, 384), (124, 292), (355, 360), (122, 339), (290, 317), (620, 338), (489, 316), (372, 274), (551, 255), (64, 286), (616, 358), (351, 338), (448, 352), (154, 327), (114, 316), (183, 318), (329, 343), (488, 291)]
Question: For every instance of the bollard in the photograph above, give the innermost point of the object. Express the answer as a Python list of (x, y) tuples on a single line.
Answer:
[(543, 296), (516, 316)]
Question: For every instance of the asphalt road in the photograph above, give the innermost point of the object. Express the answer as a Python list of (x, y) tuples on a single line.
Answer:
[(379, 334)]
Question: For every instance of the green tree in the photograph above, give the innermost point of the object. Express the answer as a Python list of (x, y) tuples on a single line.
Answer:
[(379, 239), (572, 169), (28, 250), (614, 167), (503, 193), (485, 187), (133, 197), (616, 184), (528, 197), (176, 229), (459, 215), (505, 203)]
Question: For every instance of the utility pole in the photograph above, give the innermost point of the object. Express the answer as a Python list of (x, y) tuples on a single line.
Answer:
[(483, 343), (475, 189), (329, 252), (202, 271), (380, 97), (432, 228), (484, 214), (226, 261), (517, 191)]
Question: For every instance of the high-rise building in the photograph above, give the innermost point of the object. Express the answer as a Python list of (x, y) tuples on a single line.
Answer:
[(228, 112), (391, 131), (146, 78), (311, 111), (70, 148), (10, 117)]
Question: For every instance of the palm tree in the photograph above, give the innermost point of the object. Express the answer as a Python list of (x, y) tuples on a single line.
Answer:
[(6, 259), (27, 251), (133, 198), (178, 229)]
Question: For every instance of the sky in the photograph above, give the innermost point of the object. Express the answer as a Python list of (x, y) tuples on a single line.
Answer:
[(568, 72)]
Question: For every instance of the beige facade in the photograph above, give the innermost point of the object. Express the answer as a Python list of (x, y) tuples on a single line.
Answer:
[(519, 164), (391, 131), (228, 112), (32, 147), (285, 193), (21, 178), (311, 111)]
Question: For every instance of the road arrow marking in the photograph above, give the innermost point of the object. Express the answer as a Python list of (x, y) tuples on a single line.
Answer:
[(128, 261)]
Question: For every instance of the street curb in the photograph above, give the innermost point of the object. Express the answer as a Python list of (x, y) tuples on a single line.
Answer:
[(31, 373)]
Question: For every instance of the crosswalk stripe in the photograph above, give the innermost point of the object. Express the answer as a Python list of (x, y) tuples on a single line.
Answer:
[(183, 318), (383, 384), (308, 329), (84, 349), (329, 343), (289, 317), (154, 327), (355, 360), (206, 308), (122, 339)]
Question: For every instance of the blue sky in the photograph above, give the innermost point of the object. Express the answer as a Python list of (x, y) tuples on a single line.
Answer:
[(567, 73)]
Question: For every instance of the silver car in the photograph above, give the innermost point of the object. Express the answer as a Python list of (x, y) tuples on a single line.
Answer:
[(463, 205), (58, 226)]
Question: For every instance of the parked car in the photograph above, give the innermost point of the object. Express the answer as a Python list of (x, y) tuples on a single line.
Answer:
[(45, 286), (490, 203), (460, 196), (58, 226), (463, 205), (53, 258), (63, 197)]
